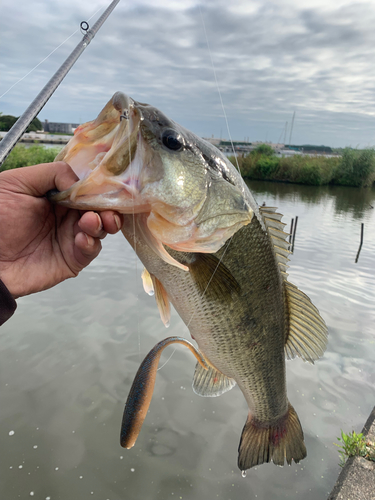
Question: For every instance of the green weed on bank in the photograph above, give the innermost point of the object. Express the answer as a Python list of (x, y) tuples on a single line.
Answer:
[(22, 157), (353, 168)]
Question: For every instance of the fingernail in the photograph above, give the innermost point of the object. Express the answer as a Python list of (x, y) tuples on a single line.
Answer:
[(90, 240), (118, 222), (100, 223)]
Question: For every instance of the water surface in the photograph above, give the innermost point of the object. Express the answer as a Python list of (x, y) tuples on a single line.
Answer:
[(69, 355)]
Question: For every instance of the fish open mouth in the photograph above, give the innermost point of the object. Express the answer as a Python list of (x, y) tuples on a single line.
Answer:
[(106, 155)]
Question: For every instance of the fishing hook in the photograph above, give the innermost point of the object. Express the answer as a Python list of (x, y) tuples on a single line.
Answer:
[(125, 115)]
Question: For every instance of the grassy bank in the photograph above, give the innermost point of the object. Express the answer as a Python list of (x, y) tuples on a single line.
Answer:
[(22, 157), (354, 168)]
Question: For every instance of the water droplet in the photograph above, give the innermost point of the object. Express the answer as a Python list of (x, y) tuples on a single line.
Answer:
[(11, 433), (56, 468), (121, 457), (167, 324), (31, 493), (132, 469), (20, 466), (243, 473), (80, 477), (48, 498), (35, 446), (151, 293)]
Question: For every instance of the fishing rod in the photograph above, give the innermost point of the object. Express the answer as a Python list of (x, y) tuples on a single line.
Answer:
[(14, 134)]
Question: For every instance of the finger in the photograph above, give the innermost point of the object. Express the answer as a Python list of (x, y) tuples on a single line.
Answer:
[(112, 221), (91, 223), (36, 180), (86, 248)]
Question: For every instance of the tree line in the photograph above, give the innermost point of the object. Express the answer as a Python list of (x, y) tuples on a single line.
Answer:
[(7, 122)]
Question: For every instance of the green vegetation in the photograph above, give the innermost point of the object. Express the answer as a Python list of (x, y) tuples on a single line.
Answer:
[(354, 168), (21, 156), (7, 122), (355, 445)]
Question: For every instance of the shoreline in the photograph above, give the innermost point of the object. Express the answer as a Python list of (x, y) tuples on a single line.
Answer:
[(356, 480)]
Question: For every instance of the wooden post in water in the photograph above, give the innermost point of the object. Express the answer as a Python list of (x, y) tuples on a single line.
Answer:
[(291, 231), (360, 244), (294, 233)]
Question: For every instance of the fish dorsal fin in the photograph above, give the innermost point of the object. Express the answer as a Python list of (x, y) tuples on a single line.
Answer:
[(213, 277), (148, 285), (162, 301), (307, 336), (275, 229), (211, 383)]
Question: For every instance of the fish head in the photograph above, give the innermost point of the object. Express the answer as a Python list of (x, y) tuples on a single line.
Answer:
[(135, 160)]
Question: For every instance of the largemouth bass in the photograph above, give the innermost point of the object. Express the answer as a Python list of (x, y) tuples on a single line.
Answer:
[(212, 252)]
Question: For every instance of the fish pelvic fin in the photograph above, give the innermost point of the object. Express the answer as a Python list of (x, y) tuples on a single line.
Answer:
[(308, 334), (148, 285), (278, 442), (162, 301), (211, 383)]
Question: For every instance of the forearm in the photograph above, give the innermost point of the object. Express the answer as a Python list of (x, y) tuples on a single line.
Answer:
[(7, 304)]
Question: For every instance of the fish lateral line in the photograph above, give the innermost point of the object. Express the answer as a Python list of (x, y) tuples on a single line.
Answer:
[(141, 391)]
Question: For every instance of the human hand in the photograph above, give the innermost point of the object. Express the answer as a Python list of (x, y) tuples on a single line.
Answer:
[(43, 244)]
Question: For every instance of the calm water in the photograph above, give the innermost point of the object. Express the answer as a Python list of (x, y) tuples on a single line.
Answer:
[(68, 357)]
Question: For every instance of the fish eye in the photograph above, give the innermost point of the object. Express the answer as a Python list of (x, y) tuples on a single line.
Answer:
[(172, 140)]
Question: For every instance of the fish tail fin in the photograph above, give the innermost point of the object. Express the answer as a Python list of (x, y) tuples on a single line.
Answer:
[(262, 443)]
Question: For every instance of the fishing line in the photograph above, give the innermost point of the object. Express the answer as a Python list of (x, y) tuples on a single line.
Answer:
[(237, 165), (128, 117), (218, 88), (230, 138), (238, 168), (42, 61)]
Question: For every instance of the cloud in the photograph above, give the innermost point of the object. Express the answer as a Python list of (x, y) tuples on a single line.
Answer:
[(267, 59)]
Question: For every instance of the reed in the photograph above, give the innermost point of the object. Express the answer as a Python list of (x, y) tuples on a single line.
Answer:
[(353, 168)]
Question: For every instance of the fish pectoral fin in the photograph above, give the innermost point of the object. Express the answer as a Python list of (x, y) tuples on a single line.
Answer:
[(308, 334), (162, 301), (211, 383), (280, 441), (212, 277)]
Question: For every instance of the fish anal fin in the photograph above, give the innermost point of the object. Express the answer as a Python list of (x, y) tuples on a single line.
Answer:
[(213, 277), (162, 301), (307, 336), (211, 383), (280, 441)]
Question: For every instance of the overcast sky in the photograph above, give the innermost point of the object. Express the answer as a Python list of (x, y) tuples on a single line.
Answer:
[(271, 58)]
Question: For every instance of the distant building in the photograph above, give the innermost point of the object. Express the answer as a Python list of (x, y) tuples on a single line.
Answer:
[(59, 128)]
